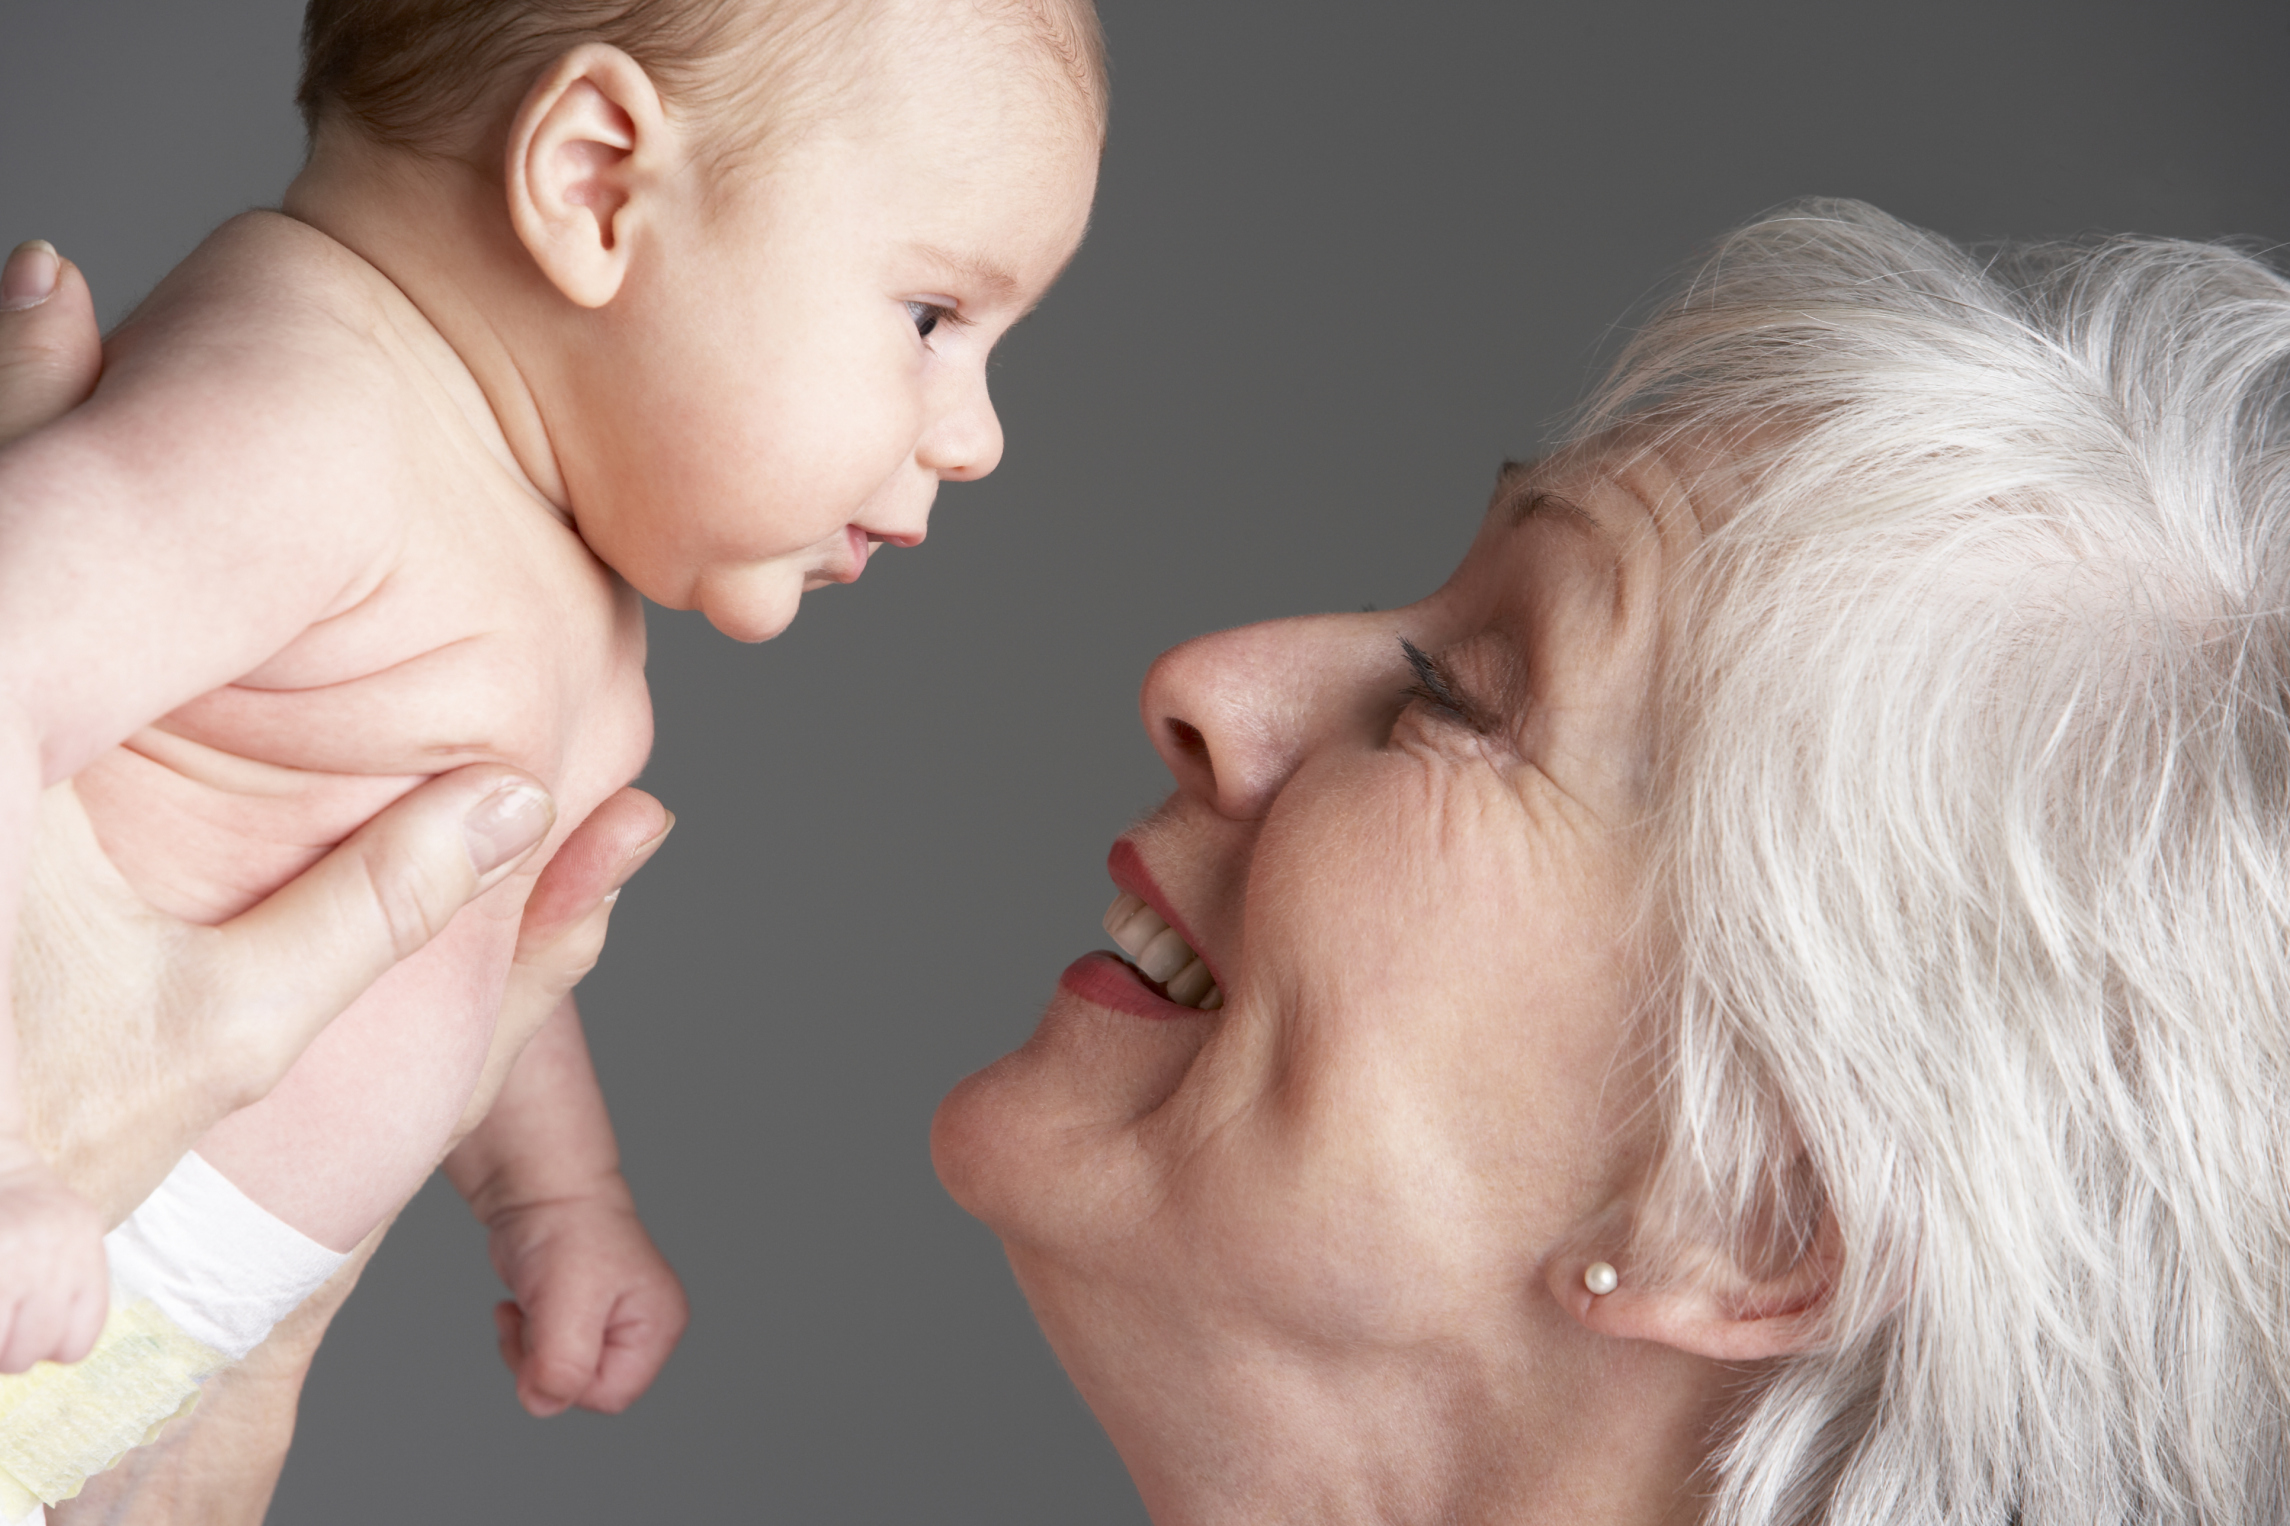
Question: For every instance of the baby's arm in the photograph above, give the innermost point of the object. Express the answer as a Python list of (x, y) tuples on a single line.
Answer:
[(596, 1308), (226, 488)]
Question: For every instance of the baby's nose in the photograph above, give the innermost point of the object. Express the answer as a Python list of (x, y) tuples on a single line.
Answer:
[(965, 442)]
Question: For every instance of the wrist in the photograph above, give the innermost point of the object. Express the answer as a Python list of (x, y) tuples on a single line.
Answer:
[(510, 1193)]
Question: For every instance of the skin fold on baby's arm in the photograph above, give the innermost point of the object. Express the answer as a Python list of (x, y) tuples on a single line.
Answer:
[(259, 501)]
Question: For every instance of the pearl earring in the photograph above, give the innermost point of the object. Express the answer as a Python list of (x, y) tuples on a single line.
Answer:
[(1600, 1277)]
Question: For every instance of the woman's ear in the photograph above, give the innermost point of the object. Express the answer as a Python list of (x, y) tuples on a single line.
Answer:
[(1710, 1306), (588, 151)]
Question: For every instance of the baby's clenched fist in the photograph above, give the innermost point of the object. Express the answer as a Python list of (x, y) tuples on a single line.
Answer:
[(597, 1308)]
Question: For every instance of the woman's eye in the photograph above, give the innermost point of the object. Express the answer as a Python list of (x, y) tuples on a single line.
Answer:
[(927, 316), (1436, 687)]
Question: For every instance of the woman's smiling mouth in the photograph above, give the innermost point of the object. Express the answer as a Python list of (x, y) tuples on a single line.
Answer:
[(1160, 955)]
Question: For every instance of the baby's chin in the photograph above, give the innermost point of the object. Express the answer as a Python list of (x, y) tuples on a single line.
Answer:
[(752, 606)]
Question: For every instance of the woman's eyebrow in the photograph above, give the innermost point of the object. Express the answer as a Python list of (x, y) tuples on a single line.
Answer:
[(1515, 488)]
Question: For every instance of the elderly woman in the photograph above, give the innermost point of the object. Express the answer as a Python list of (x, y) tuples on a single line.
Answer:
[(1764, 999)]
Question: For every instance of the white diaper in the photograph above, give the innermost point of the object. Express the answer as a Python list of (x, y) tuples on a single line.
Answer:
[(199, 1274), (215, 1261)]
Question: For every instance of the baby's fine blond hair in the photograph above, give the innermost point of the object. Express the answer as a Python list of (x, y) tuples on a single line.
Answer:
[(432, 76)]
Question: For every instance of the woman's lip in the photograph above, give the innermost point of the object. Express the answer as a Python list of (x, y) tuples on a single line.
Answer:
[(1108, 981), (1125, 866)]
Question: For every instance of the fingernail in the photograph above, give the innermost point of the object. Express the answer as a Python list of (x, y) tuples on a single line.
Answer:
[(29, 278), (506, 823), (640, 858)]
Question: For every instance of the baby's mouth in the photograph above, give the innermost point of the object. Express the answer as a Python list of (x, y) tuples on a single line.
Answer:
[(1165, 959), (858, 546)]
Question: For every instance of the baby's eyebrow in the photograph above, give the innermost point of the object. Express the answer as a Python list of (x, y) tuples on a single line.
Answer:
[(982, 273)]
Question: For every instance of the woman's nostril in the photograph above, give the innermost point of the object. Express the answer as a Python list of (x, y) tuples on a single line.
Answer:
[(1188, 738)]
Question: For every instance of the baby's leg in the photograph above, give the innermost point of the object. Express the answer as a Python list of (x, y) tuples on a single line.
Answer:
[(246, 1227), (221, 1461), (361, 1120)]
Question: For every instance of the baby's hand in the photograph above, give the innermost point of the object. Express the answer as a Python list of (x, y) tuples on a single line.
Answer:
[(597, 1309), (53, 1288)]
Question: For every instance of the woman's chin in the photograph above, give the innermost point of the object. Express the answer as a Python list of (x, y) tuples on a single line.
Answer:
[(1010, 1141)]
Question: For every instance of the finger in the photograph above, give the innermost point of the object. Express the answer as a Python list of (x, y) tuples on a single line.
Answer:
[(509, 1331), (50, 350), (18, 1352), (33, 1335), (563, 1339), (635, 1349), (616, 840), (566, 915), (18, 1317), (539, 1405), (85, 1322), (277, 974)]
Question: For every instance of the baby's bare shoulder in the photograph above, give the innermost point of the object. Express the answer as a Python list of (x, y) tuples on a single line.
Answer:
[(272, 304), (272, 269), (283, 383)]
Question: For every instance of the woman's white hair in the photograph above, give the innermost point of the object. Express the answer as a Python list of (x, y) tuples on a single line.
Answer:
[(1972, 833)]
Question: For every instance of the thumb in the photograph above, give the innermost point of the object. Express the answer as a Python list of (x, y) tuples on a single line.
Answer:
[(50, 349), (276, 975)]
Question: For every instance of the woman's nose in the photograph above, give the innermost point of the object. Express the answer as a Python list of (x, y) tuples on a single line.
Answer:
[(964, 440), (1233, 714)]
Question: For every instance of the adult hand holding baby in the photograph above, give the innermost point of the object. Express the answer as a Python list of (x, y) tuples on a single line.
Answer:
[(50, 353)]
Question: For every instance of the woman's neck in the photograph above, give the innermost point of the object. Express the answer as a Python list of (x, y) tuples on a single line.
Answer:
[(1613, 1432)]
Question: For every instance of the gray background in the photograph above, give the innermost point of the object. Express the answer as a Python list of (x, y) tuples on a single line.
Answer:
[(1347, 256)]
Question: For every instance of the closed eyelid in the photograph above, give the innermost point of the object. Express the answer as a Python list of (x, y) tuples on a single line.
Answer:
[(1435, 683)]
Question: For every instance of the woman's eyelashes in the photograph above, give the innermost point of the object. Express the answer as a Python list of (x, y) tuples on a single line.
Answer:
[(1437, 688), (928, 316)]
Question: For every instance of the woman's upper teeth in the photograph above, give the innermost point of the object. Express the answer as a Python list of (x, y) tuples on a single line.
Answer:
[(1161, 953)]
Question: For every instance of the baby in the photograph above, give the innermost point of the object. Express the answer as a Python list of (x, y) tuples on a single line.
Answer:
[(575, 300)]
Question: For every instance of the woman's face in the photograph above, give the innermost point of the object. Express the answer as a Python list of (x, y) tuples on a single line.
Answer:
[(1410, 875)]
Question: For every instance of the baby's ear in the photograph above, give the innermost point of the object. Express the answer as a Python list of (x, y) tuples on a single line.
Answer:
[(587, 153), (1703, 1301)]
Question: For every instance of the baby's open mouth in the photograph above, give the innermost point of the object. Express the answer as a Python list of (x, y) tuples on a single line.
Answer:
[(1166, 960)]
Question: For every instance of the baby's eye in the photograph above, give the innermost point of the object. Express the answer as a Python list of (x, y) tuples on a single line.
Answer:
[(927, 316)]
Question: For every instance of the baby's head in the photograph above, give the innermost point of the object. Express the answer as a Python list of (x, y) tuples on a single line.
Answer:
[(761, 251)]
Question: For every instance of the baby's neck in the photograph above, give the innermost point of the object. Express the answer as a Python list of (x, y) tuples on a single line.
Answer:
[(438, 230)]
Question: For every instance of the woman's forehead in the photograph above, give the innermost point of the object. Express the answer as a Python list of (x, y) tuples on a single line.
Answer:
[(1636, 497), (1615, 493)]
